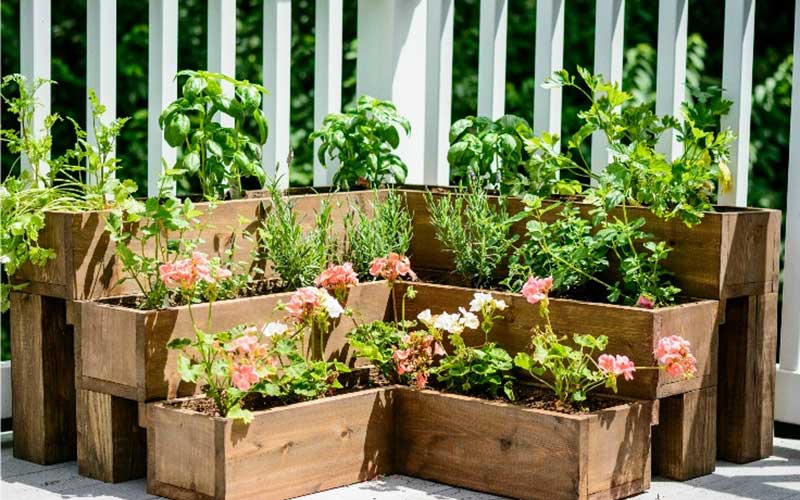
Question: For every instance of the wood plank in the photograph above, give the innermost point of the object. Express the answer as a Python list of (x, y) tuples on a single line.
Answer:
[(276, 62), (42, 381), (748, 343), (671, 69), (684, 442), (328, 16), (111, 445)]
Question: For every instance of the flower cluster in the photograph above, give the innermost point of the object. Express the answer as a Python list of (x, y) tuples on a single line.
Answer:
[(674, 354), (616, 365), (309, 301), (537, 289), (453, 323), (337, 279), (186, 273), (482, 302), (417, 357), (391, 267)]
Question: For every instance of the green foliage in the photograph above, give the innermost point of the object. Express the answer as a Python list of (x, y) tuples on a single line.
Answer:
[(376, 342), (387, 229), (362, 141), (476, 231), (483, 370), (297, 256), (218, 155), (301, 378)]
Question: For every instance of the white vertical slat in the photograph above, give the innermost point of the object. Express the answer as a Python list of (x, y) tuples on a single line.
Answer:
[(101, 61), (438, 98), (671, 69), (35, 60), (161, 85), (391, 41), (327, 74), (609, 47), (277, 63), (549, 58), (737, 82), (787, 404), (492, 58), (222, 46)]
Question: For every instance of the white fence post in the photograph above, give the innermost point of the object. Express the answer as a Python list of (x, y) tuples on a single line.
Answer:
[(161, 85), (277, 64), (391, 45), (492, 58), (327, 74), (222, 46), (438, 98), (608, 54), (35, 61), (549, 58), (101, 61), (787, 384), (737, 82), (671, 69)]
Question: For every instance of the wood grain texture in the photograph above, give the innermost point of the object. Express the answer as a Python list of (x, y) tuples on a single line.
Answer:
[(746, 392), (684, 443), (631, 331), (124, 351), (42, 379), (534, 454), (285, 452), (111, 445)]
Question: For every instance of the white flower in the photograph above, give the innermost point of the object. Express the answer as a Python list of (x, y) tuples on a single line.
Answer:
[(500, 305), (331, 305), (468, 319), (479, 300), (274, 328), (425, 317), (449, 322)]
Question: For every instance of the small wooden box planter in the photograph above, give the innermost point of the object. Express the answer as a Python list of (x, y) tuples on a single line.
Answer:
[(285, 452), (124, 350), (524, 453)]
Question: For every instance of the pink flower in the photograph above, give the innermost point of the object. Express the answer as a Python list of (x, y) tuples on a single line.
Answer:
[(187, 272), (244, 345), (645, 302), (417, 357), (391, 267), (536, 289), (616, 365), (244, 376), (303, 302), (337, 279), (675, 355)]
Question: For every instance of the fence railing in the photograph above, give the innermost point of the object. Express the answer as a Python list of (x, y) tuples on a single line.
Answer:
[(405, 55)]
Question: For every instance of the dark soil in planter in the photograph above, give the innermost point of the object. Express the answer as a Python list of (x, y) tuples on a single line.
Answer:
[(542, 399)]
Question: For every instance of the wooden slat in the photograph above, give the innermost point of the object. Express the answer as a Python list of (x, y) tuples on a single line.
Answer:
[(492, 58), (327, 74), (748, 342), (671, 68), (609, 37), (161, 85), (737, 84), (277, 57), (438, 98), (222, 46), (35, 61), (42, 379), (101, 61), (549, 57)]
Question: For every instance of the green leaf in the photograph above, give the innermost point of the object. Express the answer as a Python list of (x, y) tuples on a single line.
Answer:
[(236, 412), (177, 129)]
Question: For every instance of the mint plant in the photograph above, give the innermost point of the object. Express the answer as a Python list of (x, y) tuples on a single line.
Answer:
[(361, 143)]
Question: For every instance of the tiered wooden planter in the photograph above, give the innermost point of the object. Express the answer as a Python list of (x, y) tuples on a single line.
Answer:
[(309, 447)]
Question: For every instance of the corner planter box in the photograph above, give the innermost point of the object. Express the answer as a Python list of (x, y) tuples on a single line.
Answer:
[(524, 453), (285, 452), (631, 331), (124, 351)]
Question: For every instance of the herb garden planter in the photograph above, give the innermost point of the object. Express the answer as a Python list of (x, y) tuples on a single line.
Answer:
[(285, 452)]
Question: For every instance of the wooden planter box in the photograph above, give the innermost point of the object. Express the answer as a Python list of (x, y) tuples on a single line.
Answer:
[(524, 453), (285, 452), (631, 331), (124, 351)]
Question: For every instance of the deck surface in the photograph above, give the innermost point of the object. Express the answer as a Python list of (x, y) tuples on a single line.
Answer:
[(775, 478)]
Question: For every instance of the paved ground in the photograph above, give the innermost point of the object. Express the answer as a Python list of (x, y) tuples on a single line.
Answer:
[(776, 478)]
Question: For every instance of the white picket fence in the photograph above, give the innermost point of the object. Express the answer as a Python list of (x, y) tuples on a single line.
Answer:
[(405, 54)]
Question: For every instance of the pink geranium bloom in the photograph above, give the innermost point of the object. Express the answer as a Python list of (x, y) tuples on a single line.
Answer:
[(675, 355), (337, 278), (391, 267), (187, 272), (536, 289), (303, 301), (243, 345), (645, 302), (616, 365), (244, 376)]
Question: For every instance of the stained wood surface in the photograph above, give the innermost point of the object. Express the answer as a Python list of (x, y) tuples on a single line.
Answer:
[(124, 351), (42, 380), (631, 331), (746, 392), (285, 452), (684, 442)]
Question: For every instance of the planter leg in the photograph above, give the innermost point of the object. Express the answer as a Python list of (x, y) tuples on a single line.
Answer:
[(747, 357), (111, 445), (684, 442), (42, 379)]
